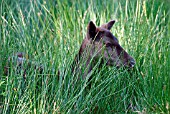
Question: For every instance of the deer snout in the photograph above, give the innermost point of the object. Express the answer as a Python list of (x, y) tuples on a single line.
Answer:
[(132, 62)]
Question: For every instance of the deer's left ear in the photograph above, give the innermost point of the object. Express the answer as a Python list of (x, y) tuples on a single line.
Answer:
[(91, 29), (108, 25)]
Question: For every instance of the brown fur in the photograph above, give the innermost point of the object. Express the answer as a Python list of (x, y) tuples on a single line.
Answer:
[(21, 64), (100, 42)]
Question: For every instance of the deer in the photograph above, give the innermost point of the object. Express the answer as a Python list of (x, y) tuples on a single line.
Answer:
[(99, 42)]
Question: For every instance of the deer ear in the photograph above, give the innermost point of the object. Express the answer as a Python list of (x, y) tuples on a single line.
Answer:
[(108, 25), (91, 29)]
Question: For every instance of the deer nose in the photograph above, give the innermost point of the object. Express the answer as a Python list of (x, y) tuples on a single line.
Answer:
[(132, 63)]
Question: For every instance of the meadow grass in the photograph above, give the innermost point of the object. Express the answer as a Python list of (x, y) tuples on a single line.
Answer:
[(50, 34)]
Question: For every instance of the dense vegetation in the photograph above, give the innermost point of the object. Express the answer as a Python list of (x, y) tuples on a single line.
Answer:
[(50, 33)]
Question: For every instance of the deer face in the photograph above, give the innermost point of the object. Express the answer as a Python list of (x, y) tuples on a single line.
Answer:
[(104, 44)]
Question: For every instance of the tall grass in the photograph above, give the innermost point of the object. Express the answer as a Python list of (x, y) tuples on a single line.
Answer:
[(50, 33)]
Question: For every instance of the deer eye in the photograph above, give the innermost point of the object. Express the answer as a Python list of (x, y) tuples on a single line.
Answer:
[(108, 45)]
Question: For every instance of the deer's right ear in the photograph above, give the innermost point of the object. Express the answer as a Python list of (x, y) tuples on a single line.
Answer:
[(91, 30), (108, 25)]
